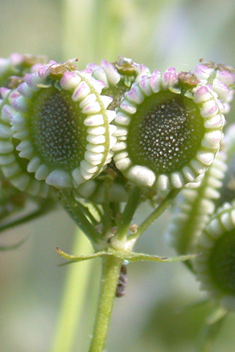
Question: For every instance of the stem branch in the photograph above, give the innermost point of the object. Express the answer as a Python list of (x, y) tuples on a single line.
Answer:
[(74, 210), (155, 214), (128, 213)]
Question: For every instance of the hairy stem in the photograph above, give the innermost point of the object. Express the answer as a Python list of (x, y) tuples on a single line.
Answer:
[(110, 273)]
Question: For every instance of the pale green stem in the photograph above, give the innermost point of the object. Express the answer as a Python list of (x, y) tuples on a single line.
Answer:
[(155, 214), (110, 273), (128, 213), (75, 210), (78, 30), (74, 297)]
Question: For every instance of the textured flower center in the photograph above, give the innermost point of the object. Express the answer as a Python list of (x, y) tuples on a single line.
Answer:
[(165, 132), (222, 263), (57, 130)]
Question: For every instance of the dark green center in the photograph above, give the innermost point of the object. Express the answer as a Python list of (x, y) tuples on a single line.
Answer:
[(165, 133), (57, 130), (222, 263)]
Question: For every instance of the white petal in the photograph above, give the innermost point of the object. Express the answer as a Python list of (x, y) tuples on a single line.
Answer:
[(163, 183), (21, 182), (122, 119), (92, 109), (106, 100), (34, 164), (96, 139), (11, 170), (6, 147), (205, 158), (94, 120), (141, 175), (59, 178), (87, 101), (128, 107), (88, 167), (123, 164), (177, 180), (42, 172), (96, 130), (81, 91), (95, 148), (77, 176)]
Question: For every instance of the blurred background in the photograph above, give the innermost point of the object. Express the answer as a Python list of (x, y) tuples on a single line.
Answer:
[(152, 317)]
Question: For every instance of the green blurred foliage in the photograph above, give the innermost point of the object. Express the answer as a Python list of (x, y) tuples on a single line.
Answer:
[(159, 34)]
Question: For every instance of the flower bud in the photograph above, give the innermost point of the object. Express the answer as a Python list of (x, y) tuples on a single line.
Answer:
[(60, 126), (169, 128), (221, 78), (193, 208), (215, 264), (16, 66)]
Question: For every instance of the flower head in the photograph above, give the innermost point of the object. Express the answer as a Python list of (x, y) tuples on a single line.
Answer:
[(60, 125), (169, 128)]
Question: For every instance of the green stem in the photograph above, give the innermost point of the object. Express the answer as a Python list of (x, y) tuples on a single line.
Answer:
[(127, 215), (107, 211), (73, 298), (44, 208), (110, 273), (74, 210), (78, 30), (155, 214)]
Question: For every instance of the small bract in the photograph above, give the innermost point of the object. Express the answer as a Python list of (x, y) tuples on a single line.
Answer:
[(169, 128)]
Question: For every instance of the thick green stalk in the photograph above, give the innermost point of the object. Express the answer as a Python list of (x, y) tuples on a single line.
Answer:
[(73, 298), (76, 212), (110, 273)]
